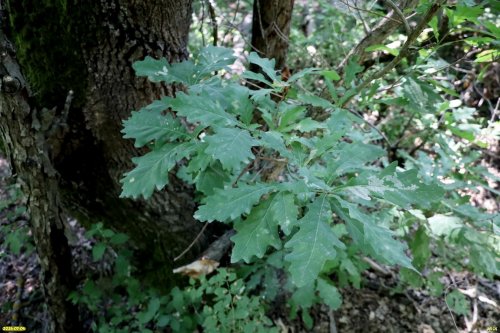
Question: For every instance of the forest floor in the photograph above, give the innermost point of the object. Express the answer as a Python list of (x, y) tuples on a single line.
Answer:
[(379, 306)]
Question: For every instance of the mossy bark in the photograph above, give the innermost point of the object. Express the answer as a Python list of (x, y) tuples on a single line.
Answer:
[(88, 47), (24, 140)]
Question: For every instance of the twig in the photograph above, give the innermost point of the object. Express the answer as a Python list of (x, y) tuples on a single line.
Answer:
[(377, 267), (366, 27), (237, 8), (401, 136), (449, 309), (261, 27), (495, 110), (368, 11), (67, 105), (402, 53), (192, 243), (213, 20), (232, 26), (378, 34), (333, 325), (248, 167), (492, 109), (400, 14), (371, 125), (257, 86), (245, 170), (202, 23), (278, 160), (279, 32)]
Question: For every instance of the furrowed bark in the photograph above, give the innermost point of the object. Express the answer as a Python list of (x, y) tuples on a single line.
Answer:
[(24, 136)]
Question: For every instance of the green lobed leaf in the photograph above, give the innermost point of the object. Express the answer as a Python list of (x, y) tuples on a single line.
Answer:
[(257, 77), (285, 211), (290, 114), (313, 244), (98, 251), (236, 100), (230, 203), (409, 189), (153, 307), (213, 58), (303, 297), (210, 59), (256, 233), (203, 109), (308, 125), (331, 75), (382, 245), (374, 240), (458, 302), (152, 68), (315, 101), (444, 225), (266, 65), (152, 169), (183, 72), (485, 260), (274, 140), (146, 126), (231, 146), (354, 156), (329, 294), (210, 179), (302, 73), (351, 70), (420, 247), (422, 97)]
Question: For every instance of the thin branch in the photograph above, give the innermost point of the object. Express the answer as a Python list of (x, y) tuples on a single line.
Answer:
[(401, 136), (371, 126), (259, 87), (378, 34), (368, 11), (400, 14), (213, 21), (245, 170), (261, 27), (366, 27), (192, 243), (402, 53), (202, 32), (248, 167), (447, 305), (67, 105), (377, 267), (279, 32), (495, 111), (236, 11)]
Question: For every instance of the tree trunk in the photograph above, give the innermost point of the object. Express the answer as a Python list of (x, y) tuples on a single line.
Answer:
[(77, 56), (24, 141), (271, 28)]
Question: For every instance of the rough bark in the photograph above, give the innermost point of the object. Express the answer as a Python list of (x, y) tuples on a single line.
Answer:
[(271, 28), (24, 138), (94, 44)]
